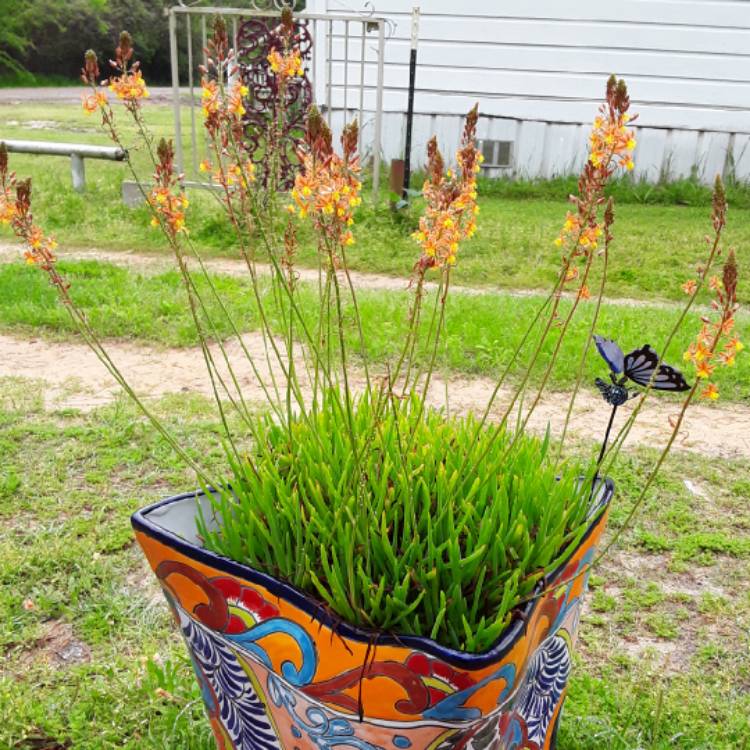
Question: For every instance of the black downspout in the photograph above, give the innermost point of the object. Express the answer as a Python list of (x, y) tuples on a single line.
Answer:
[(410, 105)]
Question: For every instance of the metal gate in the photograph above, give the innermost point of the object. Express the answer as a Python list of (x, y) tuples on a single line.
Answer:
[(346, 51)]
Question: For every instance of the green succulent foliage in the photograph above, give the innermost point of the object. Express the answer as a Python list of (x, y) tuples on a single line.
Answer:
[(419, 548)]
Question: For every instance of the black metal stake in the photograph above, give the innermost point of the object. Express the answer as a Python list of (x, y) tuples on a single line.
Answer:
[(606, 436), (410, 103), (604, 448)]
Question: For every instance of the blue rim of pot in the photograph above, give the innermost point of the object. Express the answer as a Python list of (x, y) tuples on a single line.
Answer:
[(321, 614)]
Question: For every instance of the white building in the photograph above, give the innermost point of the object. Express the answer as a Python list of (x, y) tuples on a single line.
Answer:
[(538, 69)]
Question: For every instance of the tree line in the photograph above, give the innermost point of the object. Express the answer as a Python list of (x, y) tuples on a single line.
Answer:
[(49, 37)]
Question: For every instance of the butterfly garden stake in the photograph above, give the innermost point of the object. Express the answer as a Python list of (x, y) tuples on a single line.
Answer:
[(642, 367)]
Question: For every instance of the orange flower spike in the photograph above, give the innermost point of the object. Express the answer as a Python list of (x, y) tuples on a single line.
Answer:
[(610, 140), (7, 186), (287, 65), (166, 198), (129, 85), (327, 186), (450, 198), (235, 105)]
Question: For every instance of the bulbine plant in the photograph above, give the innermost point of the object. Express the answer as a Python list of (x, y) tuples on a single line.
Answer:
[(349, 485)]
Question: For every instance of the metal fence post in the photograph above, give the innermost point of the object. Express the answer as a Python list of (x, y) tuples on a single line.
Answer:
[(78, 173), (175, 89), (378, 114)]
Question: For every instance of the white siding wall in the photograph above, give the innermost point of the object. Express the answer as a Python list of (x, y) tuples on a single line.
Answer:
[(538, 70)]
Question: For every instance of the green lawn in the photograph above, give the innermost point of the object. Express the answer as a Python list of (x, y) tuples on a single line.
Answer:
[(662, 661), (482, 331), (656, 248), (73, 581)]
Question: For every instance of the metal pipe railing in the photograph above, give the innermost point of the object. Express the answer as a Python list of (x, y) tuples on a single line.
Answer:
[(50, 148), (76, 151)]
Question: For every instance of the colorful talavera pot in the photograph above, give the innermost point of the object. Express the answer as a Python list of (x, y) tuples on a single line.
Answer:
[(277, 670)]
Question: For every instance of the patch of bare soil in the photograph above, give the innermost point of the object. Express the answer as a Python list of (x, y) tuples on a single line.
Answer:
[(56, 646), (75, 378), (626, 634)]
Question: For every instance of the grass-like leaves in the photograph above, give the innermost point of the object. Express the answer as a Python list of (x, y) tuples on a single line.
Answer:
[(410, 551)]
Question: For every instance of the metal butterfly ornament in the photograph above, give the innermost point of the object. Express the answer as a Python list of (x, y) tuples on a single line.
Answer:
[(641, 366)]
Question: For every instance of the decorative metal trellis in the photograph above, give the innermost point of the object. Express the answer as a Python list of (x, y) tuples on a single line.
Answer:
[(338, 51), (255, 37)]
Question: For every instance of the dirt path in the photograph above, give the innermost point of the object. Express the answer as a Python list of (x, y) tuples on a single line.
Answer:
[(72, 95), (153, 264), (74, 377)]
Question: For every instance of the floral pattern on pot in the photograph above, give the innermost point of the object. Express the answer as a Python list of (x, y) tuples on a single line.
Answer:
[(277, 670)]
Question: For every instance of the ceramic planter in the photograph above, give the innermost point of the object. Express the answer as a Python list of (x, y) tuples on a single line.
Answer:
[(277, 671)]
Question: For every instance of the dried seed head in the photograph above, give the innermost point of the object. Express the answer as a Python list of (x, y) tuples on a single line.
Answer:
[(314, 122), (90, 70), (220, 40), (3, 160), (611, 87), (165, 152), (435, 162), (287, 21), (318, 135), (719, 204), (729, 277), (609, 213), (349, 139), (23, 197), (622, 100), (470, 124), (124, 50)]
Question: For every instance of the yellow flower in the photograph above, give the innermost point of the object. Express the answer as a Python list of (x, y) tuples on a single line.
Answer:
[(711, 392), (92, 102)]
